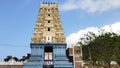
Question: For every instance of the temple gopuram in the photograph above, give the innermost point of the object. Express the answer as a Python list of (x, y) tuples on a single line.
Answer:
[(48, 43)]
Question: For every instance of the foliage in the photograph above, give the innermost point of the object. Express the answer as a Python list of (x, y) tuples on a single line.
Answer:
[(8, 58), (104, 47), (16, 59)]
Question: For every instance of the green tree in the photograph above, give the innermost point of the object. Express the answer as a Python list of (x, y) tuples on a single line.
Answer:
[(7, 58), (102, 48), (25, 57), (15, 58)]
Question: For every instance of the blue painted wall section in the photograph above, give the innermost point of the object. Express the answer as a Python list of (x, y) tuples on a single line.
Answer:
[(37, 56)]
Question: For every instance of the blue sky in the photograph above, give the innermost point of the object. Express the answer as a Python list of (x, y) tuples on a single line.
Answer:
[(18, 18)]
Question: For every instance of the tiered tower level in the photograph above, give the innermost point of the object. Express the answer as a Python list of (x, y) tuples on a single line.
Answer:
[(48, 26), (48, 46)]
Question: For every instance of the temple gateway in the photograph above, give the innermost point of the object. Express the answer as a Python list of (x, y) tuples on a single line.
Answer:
[(48, 43)]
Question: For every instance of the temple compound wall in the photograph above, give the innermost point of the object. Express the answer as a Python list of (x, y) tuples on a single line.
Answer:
[(11, 64), (75, 52)]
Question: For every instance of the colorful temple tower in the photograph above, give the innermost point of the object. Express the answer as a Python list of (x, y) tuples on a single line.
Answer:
[(48, 43)]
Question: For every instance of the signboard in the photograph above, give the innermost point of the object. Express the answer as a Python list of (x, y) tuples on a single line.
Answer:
[(48, 62)]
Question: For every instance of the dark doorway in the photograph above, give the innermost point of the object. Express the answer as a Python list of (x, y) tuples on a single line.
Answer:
[(48, 49), (48, 53), (48, 57)]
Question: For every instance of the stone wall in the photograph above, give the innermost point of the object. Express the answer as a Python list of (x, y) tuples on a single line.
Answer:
[(11, 64)]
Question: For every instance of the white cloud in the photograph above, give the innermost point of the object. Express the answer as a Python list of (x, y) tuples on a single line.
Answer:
[(91, 5), (74, 37), (69, 5), (112, 28)]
